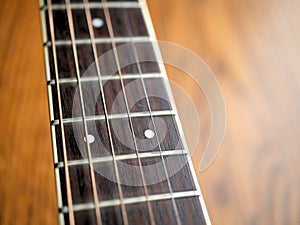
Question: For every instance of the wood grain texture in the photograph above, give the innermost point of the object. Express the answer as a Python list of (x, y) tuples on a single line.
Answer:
[(27, 185), (252, 47)]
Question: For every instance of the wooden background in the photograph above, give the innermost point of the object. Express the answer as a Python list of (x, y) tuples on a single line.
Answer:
[(253, 48)]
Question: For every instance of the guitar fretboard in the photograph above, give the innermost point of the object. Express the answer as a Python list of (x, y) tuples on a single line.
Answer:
[(119, 152)]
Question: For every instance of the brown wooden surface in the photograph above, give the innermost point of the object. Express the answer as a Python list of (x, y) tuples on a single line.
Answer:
[(253, 48)]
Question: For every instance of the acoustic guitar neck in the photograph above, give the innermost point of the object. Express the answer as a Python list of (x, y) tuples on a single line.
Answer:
[(119, 152)]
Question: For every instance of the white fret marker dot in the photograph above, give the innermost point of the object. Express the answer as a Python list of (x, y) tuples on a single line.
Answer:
[(149, 133), (91, 139), (97, 22)]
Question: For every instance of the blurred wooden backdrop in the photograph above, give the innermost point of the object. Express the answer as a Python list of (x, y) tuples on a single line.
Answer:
[(253, 47)]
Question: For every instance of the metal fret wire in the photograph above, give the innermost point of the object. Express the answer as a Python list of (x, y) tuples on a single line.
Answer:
[(93, 5), (116, 116), (94, 188), (66, 169), (77, 162), (104, 78), (133, 200), (126, 17), (92, 36), (111, 34), (101, 40)]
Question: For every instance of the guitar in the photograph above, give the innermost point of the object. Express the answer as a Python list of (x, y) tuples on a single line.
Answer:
[(119, 153)]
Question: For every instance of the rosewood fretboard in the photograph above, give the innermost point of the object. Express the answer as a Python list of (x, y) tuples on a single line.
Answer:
[(119, 153)]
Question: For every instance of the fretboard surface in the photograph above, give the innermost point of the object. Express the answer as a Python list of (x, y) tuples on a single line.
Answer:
[(116, 115)]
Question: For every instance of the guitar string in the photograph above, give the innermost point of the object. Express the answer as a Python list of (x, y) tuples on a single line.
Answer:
[(65, 158), (93, 178), (186, 159), (111, 34), (92, 36), (136, 57)]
